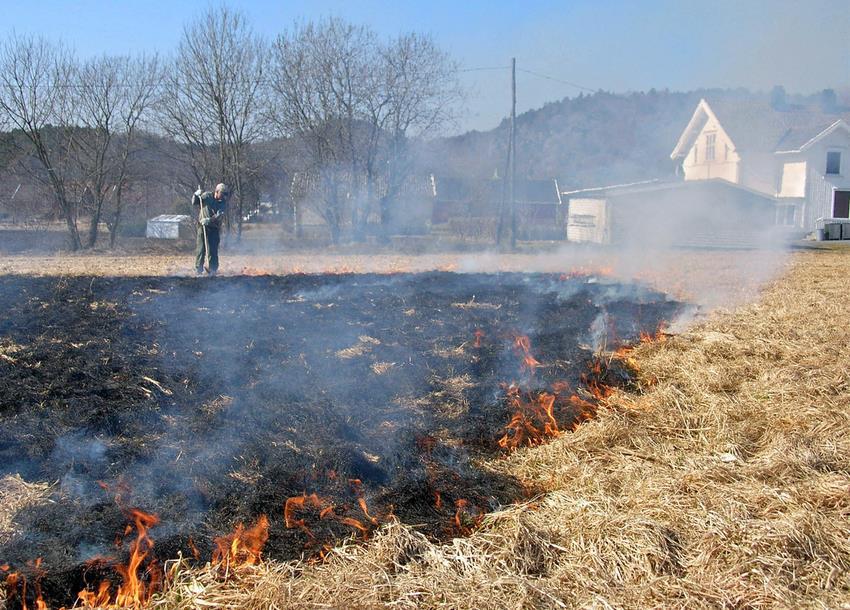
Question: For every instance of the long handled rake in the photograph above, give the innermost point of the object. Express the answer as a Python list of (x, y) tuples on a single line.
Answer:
[(204, 229)]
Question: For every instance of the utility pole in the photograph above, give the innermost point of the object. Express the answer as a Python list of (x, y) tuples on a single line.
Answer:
[(513, 153)]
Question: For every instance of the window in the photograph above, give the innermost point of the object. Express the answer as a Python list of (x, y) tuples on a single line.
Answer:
[(833, 163), (710, 139), (841, 204)]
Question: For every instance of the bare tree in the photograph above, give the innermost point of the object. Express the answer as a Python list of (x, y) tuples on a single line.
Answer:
[(354, 103), (319, 77), (141, 76), (95, 100), (35, 79), (183, 118), (419, 96), (110, 97), (214, 98)]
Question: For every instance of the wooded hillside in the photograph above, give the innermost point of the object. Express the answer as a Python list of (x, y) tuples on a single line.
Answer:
[(590, 140)]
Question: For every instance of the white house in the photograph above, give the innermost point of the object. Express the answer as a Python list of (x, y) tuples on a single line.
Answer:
[(799, 156)]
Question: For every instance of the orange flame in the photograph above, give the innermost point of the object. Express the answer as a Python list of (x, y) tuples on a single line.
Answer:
[(522, 346), (138, 582), (39, 574), (365, 510), (326, 511), (593, 381), (479, 334), (14, 579), (133, 591), (356, 487), (658, 336), (585, 410), (467, 517), (242, 547), (533, 421), (195, 552), (95, 599), (355, 524), (297, 504)]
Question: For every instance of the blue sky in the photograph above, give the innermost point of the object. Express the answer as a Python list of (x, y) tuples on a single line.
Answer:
[(616, 45)]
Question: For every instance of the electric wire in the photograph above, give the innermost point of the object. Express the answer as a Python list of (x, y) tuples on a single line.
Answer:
[(557, 80)]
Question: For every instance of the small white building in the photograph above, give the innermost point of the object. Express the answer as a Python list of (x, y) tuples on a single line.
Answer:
[(708, 213), (169, 226), (799, 156)]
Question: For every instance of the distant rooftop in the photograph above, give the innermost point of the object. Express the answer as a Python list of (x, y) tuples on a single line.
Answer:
[(756, 126)]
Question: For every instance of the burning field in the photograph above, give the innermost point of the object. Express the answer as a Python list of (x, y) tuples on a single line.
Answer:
[(247, 418)]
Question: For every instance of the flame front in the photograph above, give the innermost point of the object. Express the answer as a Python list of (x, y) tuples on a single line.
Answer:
[(16, 585), (593, 381), (533, 421), (139, 582), (242, 547), (326, 512)]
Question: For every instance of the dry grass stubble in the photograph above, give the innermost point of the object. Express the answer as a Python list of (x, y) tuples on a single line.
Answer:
[(726, 484)]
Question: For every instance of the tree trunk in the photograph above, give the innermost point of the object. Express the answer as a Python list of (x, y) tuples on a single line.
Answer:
[(116, 219), (73, 235), (94, 224)]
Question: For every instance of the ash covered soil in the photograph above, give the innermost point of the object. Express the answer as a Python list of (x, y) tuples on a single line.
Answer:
[(211, 402)]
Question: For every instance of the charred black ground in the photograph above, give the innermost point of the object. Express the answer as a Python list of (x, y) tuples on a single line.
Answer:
[(210, 402)]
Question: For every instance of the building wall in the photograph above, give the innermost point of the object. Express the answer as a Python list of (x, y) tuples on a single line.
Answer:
[(793, 176), (587, 221), (760, 172), (820, 186), (708, 213), (697, 164)]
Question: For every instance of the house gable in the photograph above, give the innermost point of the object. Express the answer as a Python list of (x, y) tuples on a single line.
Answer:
[(705, 148)]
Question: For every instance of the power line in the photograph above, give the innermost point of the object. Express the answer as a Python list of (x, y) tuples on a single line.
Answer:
[(557, 80), (483, 69)]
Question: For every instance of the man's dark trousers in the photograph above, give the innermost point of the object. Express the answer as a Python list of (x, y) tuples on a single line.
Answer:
[(213, 237)]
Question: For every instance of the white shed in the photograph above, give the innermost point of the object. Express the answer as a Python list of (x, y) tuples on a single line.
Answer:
[(588, 220), (169, 226)]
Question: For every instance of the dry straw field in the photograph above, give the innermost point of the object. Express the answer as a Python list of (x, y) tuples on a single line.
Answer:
[(725, 482)]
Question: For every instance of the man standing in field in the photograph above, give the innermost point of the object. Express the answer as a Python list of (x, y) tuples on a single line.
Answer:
[(211, 213)]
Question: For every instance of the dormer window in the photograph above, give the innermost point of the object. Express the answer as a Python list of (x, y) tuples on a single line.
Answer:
[(710, 139), (833, 163)]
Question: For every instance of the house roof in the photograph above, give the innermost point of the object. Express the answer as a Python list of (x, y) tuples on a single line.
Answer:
[(447, 188), (170, 218), (649, 186), (755, 126)]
